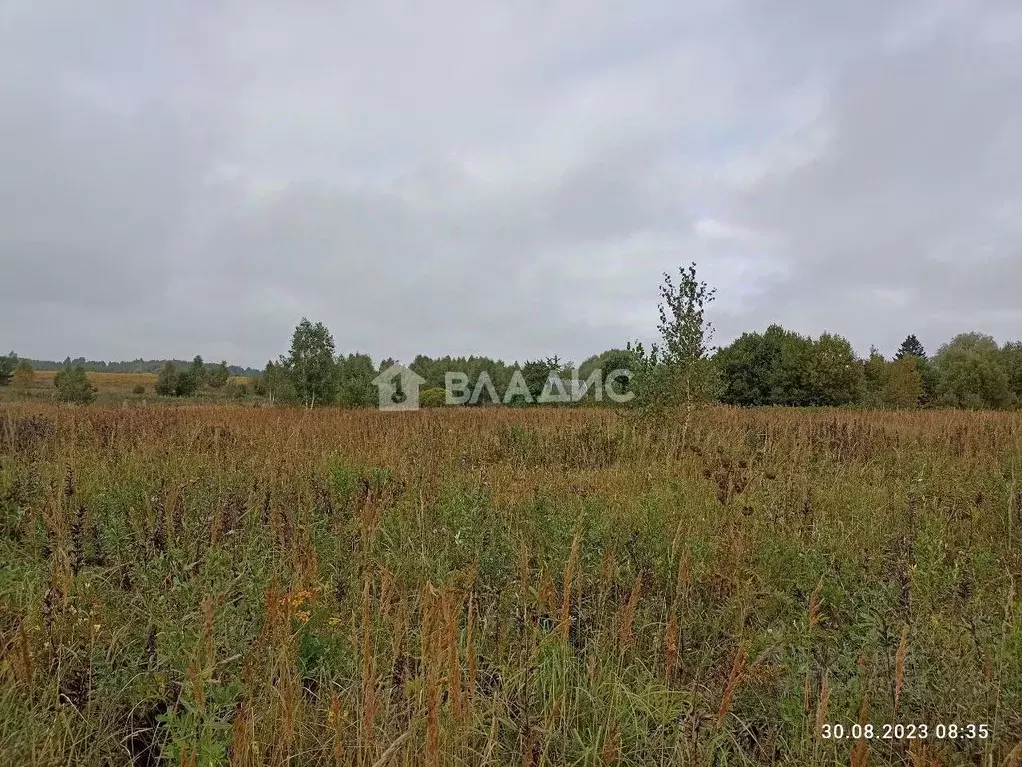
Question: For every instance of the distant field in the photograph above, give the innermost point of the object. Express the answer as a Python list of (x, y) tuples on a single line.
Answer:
[(105, 381), (215, 585), (113, 383)]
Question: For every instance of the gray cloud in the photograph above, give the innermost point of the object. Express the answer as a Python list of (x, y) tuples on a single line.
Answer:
[(507, 178)]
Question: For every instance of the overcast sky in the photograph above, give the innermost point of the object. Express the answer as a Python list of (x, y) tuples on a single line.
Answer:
[(507, 177)]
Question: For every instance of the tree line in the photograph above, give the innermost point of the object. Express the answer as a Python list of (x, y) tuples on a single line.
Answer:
[(185, 381), (127, 366), (779, 367), (775, 367), (72, 383)]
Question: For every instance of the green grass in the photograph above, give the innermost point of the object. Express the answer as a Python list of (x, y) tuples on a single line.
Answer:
[(226, 585)]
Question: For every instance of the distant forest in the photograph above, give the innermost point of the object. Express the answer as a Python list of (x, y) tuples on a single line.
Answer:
[(773, 367), (135, 366)]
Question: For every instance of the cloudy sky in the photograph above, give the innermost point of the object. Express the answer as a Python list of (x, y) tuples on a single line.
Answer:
[(508, 177)]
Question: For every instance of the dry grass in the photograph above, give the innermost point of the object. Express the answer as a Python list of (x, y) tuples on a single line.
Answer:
[(105, 382), (216, 584), (113, 384)]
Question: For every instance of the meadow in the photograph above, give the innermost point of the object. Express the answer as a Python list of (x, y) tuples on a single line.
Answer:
[(221, 584), (113, 389)]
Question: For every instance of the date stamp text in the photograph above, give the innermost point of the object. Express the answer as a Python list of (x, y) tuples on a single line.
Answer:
[(906, 731)]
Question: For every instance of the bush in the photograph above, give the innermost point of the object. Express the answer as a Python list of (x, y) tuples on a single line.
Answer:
[(7, 365), (435, 397), (276, 384), (188, 384), (73, 385), (172, 383), (139, 389), (218, 376), (166, 382)]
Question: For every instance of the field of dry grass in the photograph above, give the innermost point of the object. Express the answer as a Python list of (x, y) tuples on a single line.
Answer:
[(229, 585), (115, 383), (109, 385)]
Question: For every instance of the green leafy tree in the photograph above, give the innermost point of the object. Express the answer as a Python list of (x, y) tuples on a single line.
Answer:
[(428, 368), (355, 380), (188, 383), (608, 362), (874, 378), (910, 347), (903, 384), (970, 374), (218, 376), (793, 384), (171, 382), (73, 385), (7, 367), (930, 377), (780, 367), (472, 367), (678, 371), (750, 368), (837, 376), (1011, 362), (276, 384), (166, 380), (536, 374), (686, 334), (311, 365), (198, 371)]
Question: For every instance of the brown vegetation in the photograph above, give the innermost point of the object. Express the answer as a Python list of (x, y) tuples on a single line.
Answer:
[(217, 584)]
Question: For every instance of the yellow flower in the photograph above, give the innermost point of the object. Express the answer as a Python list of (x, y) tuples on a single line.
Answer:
[(335, 621), (303, 616)]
